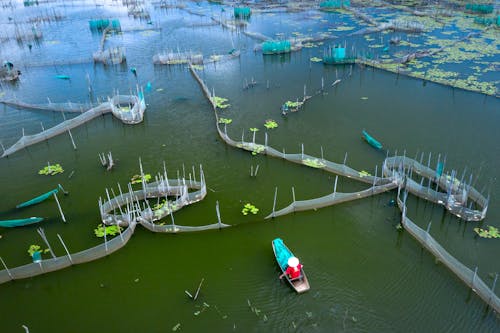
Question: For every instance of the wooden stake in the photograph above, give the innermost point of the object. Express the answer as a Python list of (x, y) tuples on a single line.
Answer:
[(72, 141), (60, 209), (274, 203), (6, 268), (65, 248), (198, 290)]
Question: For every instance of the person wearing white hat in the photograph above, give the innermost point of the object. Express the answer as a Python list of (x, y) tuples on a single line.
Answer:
[(293, 269)]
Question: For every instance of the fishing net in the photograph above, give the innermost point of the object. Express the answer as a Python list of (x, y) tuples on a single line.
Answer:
[(101, 24), (242, 12), (337, 55), (334, 4), (128, 108), (276, 47)]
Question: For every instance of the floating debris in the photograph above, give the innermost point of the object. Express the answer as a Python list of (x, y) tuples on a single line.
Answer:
[(176, 327), (314, 163)]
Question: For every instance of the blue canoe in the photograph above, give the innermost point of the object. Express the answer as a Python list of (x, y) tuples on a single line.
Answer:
[(282, 254), (38, 199), (20, 222), (371, 140)]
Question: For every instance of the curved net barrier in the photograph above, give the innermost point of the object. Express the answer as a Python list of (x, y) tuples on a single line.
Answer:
[(127, 210), (397, 172), (128, 108), (469, 277), (57, 263)]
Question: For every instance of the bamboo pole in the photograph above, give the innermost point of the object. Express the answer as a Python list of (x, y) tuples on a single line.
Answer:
[(71, 137), (198, 290), (60, 209), (41, 232), (256, 170), (7, 269), (218, 214), (65, 248), (274, 203)]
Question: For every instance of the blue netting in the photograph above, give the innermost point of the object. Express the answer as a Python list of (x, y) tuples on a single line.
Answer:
[(242, 12), (479, 8), (276, 47)]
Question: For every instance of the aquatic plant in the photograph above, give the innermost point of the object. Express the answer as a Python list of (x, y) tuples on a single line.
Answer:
[(249, 208), (491, 232), (51, 170), (270, 124), (197, 67), (316, 59), (226, 121), (314, 163), (137, 179), (257, 149), (111, 230), (219, 102), (254, 129), (34, 248), (163, 208), (291, 104), (364, 173)]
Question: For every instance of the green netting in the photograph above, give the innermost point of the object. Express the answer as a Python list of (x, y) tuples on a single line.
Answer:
[(104, 23), (485, 21), (337, 55), (242, 12), (30, 3), (479, 8), (282, 253), (38, 199), (276, 47), (334, 4)]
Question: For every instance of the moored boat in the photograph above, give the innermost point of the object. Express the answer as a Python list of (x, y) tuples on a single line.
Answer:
[(282, 255)]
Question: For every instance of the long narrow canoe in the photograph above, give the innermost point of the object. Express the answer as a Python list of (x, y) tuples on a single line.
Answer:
[(371, 140), (282, 254), (20, 222), (38, 199)]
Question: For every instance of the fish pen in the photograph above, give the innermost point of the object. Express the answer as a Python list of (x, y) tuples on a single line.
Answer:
[(177, 58), (332, 5), (99, 25), (129, 109), (396, 172), (111, 56), (242, 12), (276, 47), (336, 55)]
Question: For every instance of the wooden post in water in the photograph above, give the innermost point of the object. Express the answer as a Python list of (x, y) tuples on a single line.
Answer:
[(302, 156), (274, 202), (41, 232), (473, 278), (198, 290), (322, 158), (60, 209), (105, 239), (65, 248), (265, 140), (492, 288), (41, 124), (218, 214), (256, 170), (335, 186), (345, 158), (10, 274)]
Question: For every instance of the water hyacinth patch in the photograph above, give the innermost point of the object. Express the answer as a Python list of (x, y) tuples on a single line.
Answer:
[(254, 129), (291, 104), (137, 179), (491, 232), (314, 163), (219, 102), (111, 230), (269, 124), (249, 208), (34, 248), (163, 208), (258, 149), (226, 121), (51, 170), (364, 173)]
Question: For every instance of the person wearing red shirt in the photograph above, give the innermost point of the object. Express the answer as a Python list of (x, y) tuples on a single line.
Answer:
[(293, 270)]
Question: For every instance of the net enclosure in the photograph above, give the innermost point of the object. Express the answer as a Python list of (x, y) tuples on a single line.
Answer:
[(276, 47)]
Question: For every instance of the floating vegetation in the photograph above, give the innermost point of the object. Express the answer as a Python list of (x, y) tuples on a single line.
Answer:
[(163, 208), (254, 129), (34, 248), (293, 105), (51, 170), (314, 163), (316, 59), (226, 121), (270, 124), (343, 28), (197, 67), (220, 102), (491, 232), (249, 208), (257, 149), (111, 230), (137, 179), (364, 173)]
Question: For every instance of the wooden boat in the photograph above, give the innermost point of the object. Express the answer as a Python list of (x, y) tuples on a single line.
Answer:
[(371, 140), (20, 222), (282, 254)]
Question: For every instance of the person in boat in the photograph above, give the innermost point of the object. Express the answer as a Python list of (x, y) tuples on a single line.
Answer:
[(294, 268)]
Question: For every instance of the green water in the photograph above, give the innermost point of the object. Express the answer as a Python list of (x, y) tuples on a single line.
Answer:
[(365, 276)]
